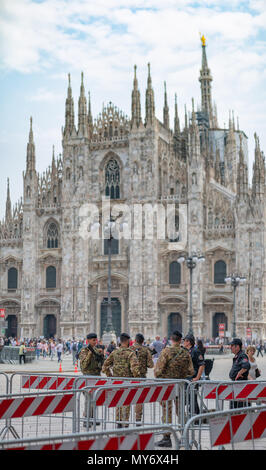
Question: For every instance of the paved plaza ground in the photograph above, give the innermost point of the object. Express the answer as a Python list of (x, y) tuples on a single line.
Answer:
[(222, 365)]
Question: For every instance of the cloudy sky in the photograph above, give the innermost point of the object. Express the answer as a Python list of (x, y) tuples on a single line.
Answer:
[(41, 41)]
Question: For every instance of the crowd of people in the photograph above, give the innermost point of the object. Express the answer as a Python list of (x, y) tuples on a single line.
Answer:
[(57, 348), (177, 357)]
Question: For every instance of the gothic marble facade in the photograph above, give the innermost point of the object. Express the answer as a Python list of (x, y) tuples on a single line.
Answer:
[(54, 281)]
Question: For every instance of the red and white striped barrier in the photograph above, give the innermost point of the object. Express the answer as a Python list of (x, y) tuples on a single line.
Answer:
[(236, 391), (243, 427), (128, 442), (50, 382), (36, 405), (132, 396), (37, 382)]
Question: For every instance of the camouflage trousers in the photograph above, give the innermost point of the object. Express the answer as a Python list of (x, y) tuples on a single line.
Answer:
[(167, 408), (122, 414), (87, 406)]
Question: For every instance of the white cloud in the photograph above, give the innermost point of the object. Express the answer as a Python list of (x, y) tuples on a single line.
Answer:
[(105, 38), (44, 95)]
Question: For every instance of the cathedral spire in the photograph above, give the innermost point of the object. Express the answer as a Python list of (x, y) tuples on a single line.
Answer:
[(82, 118), (194, 136), (53, 163), (150, 106), (177, 139), (90, 120), (205, 83), (8, 203), (258, 179), (30, 151), (165, 109), (69, 111), (135, 102), (176, 122), (242, 174)]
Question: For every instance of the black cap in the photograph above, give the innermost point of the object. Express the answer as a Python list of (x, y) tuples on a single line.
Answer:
[(177, 333), (124, 336), (236, 342), (190, 338), (91, 336)]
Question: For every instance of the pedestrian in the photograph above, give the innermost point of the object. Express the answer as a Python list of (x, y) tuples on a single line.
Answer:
[(122, 362), (198, 363), (145, 361), (91, 361), (254, 372), (100, 345), (59, 350), (174, 363), (22, 353), (52, 349), (74, 349), (111, 347), (259, 350), (45, 349), (38, 349), (158, 346), (240, 367)]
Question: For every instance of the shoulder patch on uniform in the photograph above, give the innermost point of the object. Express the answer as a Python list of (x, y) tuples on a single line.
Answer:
[(201, 357)]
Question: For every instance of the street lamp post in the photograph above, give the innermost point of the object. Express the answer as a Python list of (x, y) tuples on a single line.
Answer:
[(191, 262), (235, 280), (109, 334)]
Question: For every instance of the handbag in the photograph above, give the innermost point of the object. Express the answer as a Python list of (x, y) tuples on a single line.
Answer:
[(257, 373)]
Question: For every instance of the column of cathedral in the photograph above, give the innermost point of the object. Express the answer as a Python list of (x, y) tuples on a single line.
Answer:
[(30, 279), (196, 182)]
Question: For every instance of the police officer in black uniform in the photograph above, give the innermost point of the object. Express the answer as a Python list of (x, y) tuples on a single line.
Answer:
[(198, 363), (240, 367)]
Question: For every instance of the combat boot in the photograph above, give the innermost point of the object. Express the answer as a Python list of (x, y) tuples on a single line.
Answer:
[(165, 442)]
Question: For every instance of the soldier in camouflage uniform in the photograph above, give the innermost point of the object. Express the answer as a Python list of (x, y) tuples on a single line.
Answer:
[(122, 362), (91, 361), (145, 360), (174, 363)]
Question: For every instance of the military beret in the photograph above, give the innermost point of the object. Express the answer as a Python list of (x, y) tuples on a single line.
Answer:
[(124, 336), (190, 338), (177, 333), (236, 342), (91, 336)]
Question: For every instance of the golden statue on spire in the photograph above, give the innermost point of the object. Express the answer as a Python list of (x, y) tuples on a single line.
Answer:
[(203, 40)]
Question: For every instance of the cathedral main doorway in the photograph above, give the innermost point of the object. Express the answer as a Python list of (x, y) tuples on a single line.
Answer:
[(174, 323), (49, 326), (219, 317), (116, 315), (12, 326)]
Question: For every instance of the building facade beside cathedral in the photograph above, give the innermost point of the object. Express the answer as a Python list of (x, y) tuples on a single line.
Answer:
[(53, 281)]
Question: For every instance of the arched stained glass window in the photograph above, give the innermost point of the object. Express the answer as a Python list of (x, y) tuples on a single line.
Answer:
[(12, 282), (174, 273), (51, 277), (112, 179), (219, 272), (52, 236)]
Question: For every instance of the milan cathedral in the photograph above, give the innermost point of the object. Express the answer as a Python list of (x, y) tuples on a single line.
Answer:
[(53, 281)]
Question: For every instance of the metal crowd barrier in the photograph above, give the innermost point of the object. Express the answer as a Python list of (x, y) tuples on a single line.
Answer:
[(31, 415), (123, 439), (21, 381), (10, 354), (142, 404), (228, 428), (219, 394), (4, 383)]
